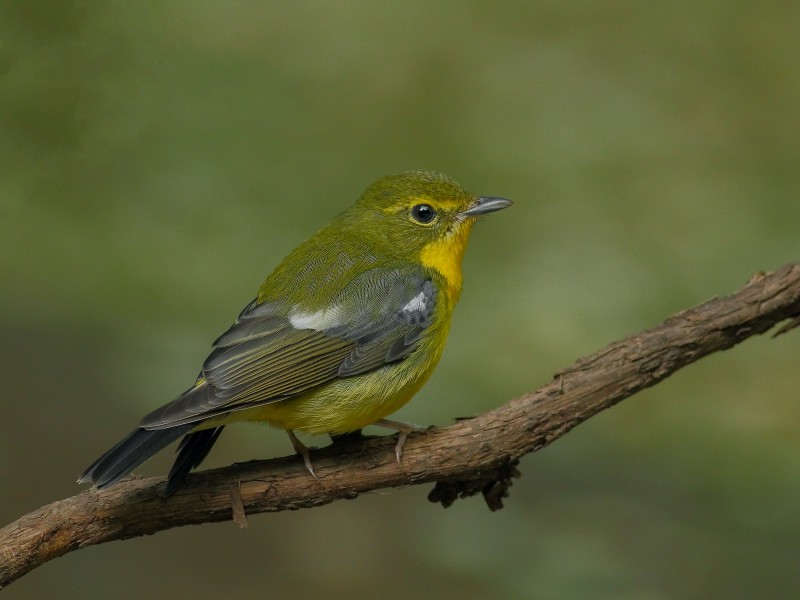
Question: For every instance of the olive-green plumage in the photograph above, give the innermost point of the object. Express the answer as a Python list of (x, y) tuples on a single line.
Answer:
[(342, 333)]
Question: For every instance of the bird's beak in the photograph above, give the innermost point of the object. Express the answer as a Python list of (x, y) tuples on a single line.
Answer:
[(485, 205)]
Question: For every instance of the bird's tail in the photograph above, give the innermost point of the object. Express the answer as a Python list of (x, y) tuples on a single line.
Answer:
[(131, 452)]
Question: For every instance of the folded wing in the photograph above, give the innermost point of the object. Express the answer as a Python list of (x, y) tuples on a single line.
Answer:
[(274, 351)]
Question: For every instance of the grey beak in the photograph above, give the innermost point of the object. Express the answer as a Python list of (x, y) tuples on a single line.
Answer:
[(485, 205)]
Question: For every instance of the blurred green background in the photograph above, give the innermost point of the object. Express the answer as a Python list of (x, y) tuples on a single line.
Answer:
[(158, 159)]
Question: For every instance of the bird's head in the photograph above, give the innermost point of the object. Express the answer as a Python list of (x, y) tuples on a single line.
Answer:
[(420, 210), (420, 216)]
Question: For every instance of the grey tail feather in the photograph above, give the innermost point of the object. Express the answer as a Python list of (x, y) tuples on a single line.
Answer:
[(129, 453), (191, 452)]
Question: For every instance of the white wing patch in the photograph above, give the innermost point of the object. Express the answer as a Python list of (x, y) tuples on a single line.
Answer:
[(319, 320), (417, 304)]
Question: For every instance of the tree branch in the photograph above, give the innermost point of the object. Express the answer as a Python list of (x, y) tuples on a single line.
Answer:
[(470, 456)]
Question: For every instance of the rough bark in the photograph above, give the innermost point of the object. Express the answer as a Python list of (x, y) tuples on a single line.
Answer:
[(471, 456)]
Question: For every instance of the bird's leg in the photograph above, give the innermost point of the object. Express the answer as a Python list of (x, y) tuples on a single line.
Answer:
[(301, 449), (403, 428)]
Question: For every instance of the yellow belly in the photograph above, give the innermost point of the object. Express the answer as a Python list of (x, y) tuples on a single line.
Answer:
[(342, 406)]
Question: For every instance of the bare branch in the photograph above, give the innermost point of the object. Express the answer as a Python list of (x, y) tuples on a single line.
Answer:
[(470, 456)]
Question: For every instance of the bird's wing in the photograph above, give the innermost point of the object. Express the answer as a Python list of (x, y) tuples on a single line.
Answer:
[(274, 352)]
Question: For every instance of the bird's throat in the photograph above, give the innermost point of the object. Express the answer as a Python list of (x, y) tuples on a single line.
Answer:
[(445, 256)]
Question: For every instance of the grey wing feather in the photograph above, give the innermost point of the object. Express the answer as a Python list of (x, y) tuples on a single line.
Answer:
[(264, 358), (397, 332)]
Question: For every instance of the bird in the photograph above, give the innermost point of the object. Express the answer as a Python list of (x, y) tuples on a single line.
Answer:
[(345, 330)]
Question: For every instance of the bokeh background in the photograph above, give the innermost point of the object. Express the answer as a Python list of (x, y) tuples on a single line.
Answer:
[(158, 159)]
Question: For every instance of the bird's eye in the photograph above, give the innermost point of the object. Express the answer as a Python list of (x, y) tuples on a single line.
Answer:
[(423, 213)]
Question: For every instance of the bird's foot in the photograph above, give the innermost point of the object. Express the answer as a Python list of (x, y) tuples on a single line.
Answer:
[(404, 430)]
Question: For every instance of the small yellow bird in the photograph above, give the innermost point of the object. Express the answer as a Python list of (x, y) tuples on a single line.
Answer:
[(342, 334)]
